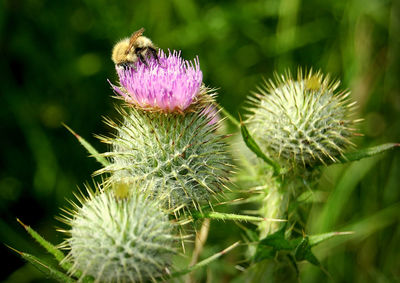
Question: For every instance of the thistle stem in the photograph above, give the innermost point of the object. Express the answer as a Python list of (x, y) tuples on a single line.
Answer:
[(231, 216), (274, 206), (230, 117), (201, 239)]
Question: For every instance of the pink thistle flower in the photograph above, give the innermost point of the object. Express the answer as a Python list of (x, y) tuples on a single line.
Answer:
[(170, 84)]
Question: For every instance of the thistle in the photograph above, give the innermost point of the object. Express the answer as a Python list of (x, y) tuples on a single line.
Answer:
[(120, 239), (168, 133), (169, 84), (302, 122)]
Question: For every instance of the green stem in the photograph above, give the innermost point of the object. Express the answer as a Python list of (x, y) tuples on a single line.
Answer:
[(274, 206), (230, 117)]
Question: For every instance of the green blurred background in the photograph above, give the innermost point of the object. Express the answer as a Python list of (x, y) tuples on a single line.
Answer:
[(55, 61)]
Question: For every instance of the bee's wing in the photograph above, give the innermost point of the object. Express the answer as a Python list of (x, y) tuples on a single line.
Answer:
[(133, 38)]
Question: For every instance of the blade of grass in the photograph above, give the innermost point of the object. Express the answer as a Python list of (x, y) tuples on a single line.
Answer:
[(204, 262), (364, 228), (340, 195)]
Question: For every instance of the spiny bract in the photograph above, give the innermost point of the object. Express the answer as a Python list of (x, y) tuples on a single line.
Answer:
[(181, 153), (120, 240), (302, 122)]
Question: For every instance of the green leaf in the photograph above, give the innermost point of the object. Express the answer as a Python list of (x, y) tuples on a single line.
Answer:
[(253, 146), (271, 244), (367, 152), (302, 249), (311, 258), (45, 267), (277, 240), (303, 252), (93, 152), (264, 252), (58, 255), (250, 234), (294, 263)]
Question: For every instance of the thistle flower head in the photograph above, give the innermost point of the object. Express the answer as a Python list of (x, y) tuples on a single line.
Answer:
[(183, 155), (170, 84), (126, 239), (302, 122)]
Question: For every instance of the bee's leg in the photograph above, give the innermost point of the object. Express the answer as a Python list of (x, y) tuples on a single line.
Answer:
[(142, 59), (139, 54), (154, 54), (126, 65)]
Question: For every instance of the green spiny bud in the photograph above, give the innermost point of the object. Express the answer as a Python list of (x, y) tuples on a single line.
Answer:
[(126, 239), (181, 153), (302, 122)]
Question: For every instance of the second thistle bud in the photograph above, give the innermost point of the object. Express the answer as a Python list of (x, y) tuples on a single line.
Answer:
[(127, 239), (302, 122)]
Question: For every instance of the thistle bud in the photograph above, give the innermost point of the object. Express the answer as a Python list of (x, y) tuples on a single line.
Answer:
[(120, 240), (302, 122), (182, 154)]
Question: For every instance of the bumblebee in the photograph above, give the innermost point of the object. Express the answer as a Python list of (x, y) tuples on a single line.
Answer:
[(130, 50)]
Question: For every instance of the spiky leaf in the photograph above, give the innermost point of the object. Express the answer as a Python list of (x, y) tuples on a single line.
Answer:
[(253, 146), (368, 152), (46, 268), (58, 255), (94, 153)]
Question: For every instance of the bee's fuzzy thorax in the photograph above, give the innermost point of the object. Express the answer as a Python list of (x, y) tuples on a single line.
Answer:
[(119, 54)]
